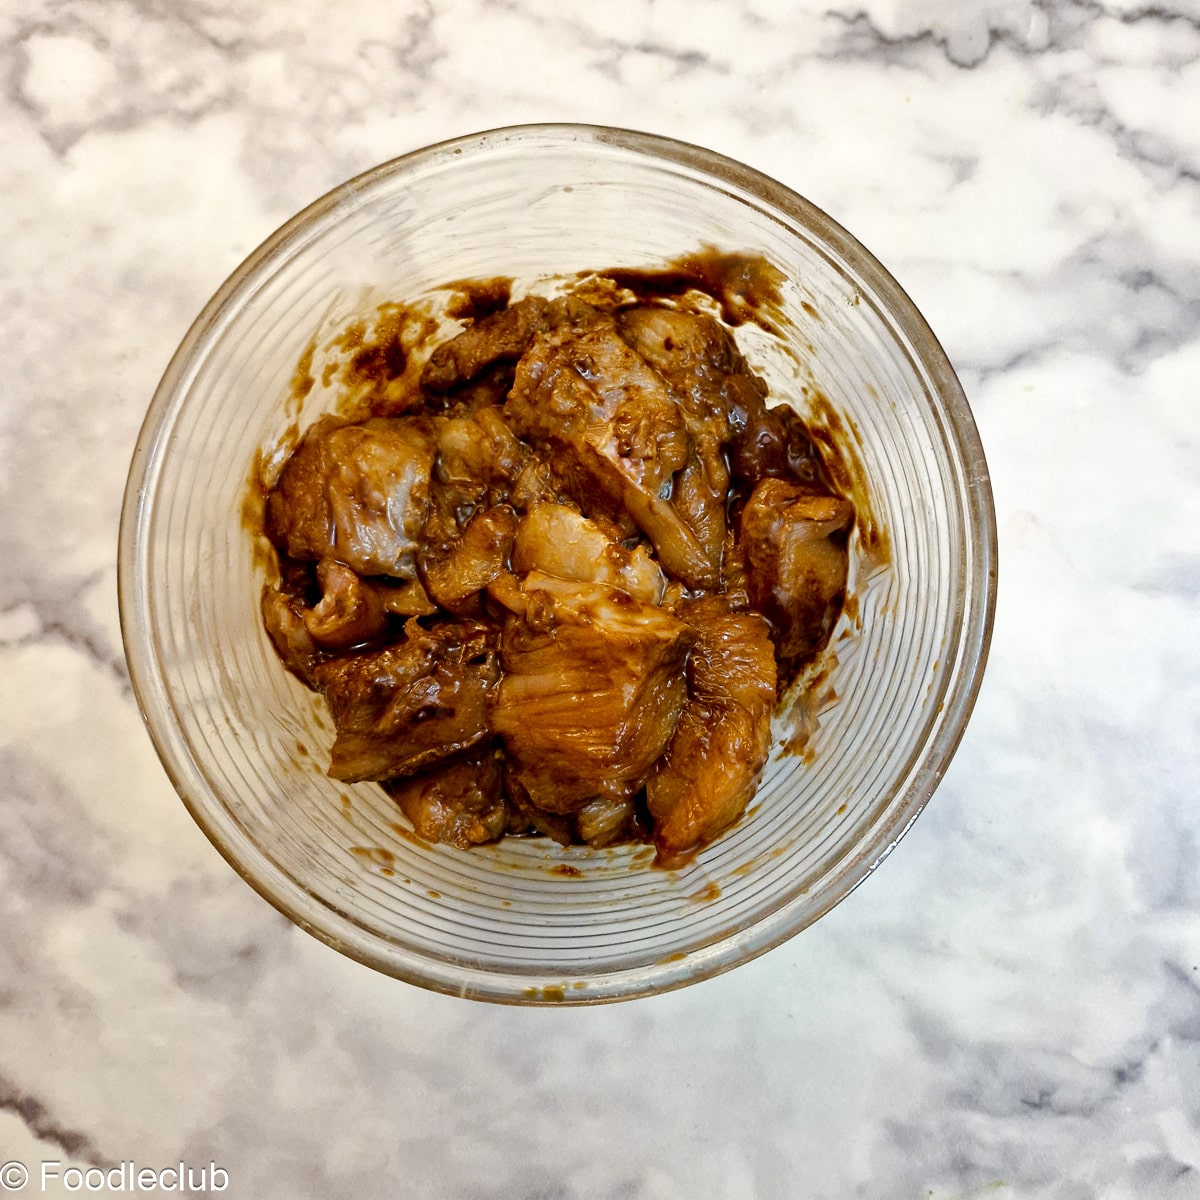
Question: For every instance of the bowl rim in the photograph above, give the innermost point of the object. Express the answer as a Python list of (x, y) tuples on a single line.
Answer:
[(978, 609)]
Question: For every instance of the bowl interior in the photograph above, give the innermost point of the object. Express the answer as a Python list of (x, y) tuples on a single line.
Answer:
[(246, 744)]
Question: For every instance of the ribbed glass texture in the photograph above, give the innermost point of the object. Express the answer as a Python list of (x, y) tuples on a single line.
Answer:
[(245, 744)]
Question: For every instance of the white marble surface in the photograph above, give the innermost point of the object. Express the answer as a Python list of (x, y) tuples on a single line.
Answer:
[(1011, 1006)]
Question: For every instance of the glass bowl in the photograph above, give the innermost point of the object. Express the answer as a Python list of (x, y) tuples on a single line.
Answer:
[(526, 921)]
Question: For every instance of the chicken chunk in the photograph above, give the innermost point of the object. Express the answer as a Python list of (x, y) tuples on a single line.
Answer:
[(600, 822), (499, 337), (455, 567), (710, 381), (700, 360), (795, 546), (406, 707), (774, 443), (357, 494), (406, 598), (617, 437), (556, 539), (350, 611), (605, 820), (283, 618), (715, 758), (460, 802), (478, 461), (692, 351), (701, 364), (592, 689), (469, 526)]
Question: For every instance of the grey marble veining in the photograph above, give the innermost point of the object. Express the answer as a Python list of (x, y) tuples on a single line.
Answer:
[(1011, 1006)]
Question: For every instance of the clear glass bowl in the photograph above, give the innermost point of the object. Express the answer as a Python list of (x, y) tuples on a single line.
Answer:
[(246, 745)]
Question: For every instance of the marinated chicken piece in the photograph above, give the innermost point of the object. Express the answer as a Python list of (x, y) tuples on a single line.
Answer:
[(713, 763), (774, 443), (692, 351), (700, 360), (592, 688), (605, 820), (469, 527), (795, 545), (558, 540), (735, 573), (559, 827), (507, 596), (349, 613), (488, 390), (478, 460), (501, 336), (406, 707), (616, 437), (283, 616), (706, 375), (456, 567), (536, 484), (700, 501), (404, 599), (356, 493), (600, 822), (460, 802)]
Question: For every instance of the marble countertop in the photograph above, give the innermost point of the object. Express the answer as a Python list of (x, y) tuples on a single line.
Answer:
[(1010, 1007)]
